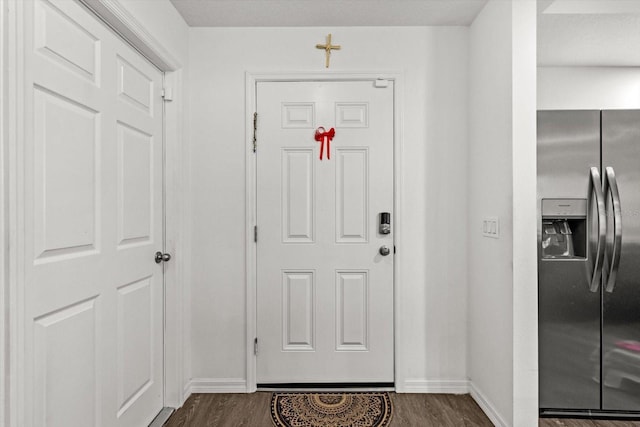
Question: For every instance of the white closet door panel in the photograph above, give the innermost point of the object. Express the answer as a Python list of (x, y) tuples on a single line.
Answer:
[(93, 323)]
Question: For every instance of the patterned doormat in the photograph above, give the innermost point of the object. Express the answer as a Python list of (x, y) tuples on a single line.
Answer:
[(331, 409)]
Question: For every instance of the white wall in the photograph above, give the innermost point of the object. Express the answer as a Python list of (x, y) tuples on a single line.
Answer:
[(525, 255), (434, 63), (490, 172), (502, 358), (565, 88)]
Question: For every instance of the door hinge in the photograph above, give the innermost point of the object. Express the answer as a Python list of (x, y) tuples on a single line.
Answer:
[(255, 233), (394, 249), (167, 94), (255, 132), (255, 346)]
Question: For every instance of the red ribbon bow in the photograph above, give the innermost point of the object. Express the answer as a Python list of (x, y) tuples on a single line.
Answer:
[(323, 137)]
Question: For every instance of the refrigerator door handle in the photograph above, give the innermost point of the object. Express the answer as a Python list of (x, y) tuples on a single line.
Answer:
[(611, 187), (595, 267)]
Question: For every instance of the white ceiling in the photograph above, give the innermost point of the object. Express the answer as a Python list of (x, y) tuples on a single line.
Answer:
[(606, 7), (327, 13), (589, 33)]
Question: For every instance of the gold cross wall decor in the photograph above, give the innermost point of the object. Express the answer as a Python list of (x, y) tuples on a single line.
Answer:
[(327, 48)]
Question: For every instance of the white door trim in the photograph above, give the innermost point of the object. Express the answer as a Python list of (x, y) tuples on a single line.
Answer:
[(117, 17), (251, 80), (11, 193)]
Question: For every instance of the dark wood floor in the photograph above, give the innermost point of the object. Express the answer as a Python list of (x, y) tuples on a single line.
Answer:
[(252, 410), (420, 410)]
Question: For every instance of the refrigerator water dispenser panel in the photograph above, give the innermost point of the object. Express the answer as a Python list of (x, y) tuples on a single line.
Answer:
[(564, 229)]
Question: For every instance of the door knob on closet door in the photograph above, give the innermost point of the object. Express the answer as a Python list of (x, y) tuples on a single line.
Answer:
[(384, 250), (160, 257)]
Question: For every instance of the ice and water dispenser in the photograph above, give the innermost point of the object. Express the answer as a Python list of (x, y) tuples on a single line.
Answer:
[(564, 228)]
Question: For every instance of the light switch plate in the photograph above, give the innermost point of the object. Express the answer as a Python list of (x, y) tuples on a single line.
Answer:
[(491, 227)]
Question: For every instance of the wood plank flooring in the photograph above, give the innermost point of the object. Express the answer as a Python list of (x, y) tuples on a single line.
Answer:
[(441, 410), (409, 410), (213, 410)]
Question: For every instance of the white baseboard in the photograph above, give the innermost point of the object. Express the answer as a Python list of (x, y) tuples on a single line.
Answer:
[(435, 386), (216, 385), (486, 406), (186, 392)]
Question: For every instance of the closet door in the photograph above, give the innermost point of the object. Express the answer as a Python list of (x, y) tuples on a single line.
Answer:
[(93, 295)]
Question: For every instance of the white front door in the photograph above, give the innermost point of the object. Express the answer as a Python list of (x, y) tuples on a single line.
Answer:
[(93, 295), (325, 293)]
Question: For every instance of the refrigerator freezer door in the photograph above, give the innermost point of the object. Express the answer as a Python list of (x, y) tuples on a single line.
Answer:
[(621, 307), (569, 313)]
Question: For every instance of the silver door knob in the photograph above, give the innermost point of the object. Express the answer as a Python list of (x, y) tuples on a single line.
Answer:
[(160, 257), (384, 250)]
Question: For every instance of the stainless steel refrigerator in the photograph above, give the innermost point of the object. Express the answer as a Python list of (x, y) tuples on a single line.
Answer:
[(589, 263)]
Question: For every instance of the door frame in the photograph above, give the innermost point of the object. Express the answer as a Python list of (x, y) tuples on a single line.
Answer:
[(114, 15), (251, 81)]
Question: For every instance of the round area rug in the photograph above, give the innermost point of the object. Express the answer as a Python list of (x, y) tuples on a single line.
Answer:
[(331, 409)]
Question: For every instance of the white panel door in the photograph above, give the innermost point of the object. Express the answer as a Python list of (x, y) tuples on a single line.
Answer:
[(325, 293), (93, 325)]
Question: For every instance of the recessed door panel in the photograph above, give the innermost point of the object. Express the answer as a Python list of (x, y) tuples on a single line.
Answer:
[(298, 307), (135, 342), (65, 42), (352, 310), (352, 115), (67, 175), (67, 367), (298, 198), (134, 86), (352, 195), (135, 185), (298, 115)]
